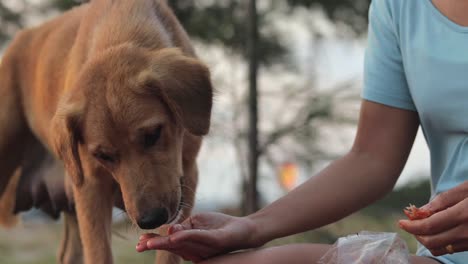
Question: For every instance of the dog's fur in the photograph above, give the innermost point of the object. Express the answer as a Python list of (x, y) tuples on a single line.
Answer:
[(112, 88)]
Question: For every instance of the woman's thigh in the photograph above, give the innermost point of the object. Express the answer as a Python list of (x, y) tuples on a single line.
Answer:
[(423, 260), (291, 254)]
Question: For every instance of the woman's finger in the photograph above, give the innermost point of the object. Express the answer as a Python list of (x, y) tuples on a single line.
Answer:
[(448, 198), (147, 236), (195, 252), (165, 241), (192, 222), (450, 248), (189, 236), (177, 228), (160, 243), (436, 223), (141, 246), (443, 239), (198, 235), (172, 242)]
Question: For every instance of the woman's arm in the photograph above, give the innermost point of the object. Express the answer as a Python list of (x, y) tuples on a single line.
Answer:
[(384, 139), (383, 142)]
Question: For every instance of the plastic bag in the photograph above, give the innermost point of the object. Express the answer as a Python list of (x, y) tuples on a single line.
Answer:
[(368, 248)]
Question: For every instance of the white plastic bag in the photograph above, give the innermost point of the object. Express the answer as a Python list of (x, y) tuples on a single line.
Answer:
[(368, 248)]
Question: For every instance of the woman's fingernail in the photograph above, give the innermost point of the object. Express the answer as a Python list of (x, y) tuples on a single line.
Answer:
[(149, 244), (138, 248), (401, 224)]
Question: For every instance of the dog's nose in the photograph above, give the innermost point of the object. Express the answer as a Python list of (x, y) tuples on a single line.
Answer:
[(153, 219)]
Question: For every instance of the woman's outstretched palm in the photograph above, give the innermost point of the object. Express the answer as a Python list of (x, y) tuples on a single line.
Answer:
[(203, 236)]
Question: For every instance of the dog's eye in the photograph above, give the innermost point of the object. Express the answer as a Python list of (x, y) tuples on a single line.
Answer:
[(150, 139), (104, 157)]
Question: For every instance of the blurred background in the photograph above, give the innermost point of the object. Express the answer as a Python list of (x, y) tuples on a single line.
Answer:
[(288, 76)]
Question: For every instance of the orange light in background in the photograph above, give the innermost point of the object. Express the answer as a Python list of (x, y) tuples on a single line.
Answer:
[(288, 175)]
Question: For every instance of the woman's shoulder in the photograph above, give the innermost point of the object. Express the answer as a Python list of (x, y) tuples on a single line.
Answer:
[(395, 7), (393, 11)]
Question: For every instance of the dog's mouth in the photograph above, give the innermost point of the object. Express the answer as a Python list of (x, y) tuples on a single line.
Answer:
[(174, 211), (178, 214), (176, 217)]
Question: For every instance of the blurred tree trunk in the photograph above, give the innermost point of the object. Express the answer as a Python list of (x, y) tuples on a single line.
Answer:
[(251, 203)]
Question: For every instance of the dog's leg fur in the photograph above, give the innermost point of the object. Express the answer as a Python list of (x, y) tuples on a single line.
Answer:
[(13, 140), (71, 249), (164, 257), (94, 201), (7, 202), (13, 128)]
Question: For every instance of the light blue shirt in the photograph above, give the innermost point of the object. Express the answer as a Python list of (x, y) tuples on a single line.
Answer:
[(417, 59)]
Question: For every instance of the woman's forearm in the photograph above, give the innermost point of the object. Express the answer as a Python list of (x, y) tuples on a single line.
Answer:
[(345, 186)]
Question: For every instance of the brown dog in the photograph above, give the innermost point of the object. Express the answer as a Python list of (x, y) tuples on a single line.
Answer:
[(114, 90)]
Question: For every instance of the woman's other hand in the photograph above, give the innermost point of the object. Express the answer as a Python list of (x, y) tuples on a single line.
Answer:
[(446, 230)]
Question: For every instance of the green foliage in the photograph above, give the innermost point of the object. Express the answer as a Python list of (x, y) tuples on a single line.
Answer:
[(62, 4), (10, 21), (350, 12), (225, 22), (222, 22)]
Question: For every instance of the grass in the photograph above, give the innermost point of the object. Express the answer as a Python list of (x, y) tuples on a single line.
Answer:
[(36, 242)]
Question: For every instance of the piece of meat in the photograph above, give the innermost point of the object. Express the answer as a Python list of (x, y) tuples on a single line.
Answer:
[(415, 213)]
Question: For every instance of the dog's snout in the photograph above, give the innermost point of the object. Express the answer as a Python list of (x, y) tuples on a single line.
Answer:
[(153, 218)]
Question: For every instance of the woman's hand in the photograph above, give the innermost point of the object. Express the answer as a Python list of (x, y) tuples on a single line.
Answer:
[(203, 236), (446, 231)]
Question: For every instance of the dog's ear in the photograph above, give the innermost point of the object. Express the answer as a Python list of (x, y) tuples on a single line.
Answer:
[(66, 133), (184, 83)]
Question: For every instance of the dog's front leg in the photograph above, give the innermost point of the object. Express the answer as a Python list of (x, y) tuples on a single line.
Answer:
[(94, 201), (71, 249), (164, 257)]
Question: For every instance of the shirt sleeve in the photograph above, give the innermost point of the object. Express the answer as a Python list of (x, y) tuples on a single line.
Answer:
[(384, 75)]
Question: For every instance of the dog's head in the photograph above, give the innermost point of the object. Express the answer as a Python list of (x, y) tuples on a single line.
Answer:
[(126, 117)]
